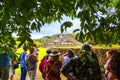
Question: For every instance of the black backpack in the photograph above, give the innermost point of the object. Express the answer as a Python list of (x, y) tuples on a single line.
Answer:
[(30, 63)]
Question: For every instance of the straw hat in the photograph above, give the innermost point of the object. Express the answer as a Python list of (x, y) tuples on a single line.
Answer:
[(54, 53)]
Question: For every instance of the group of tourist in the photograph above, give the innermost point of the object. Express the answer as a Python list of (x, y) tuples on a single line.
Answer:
[(84, 66), (28, 64)]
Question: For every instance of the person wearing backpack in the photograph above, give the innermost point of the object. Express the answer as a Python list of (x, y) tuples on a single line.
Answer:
[(43, 62), (31, 66), (84, 67)]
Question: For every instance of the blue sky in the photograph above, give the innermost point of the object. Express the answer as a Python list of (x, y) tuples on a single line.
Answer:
[(54, 28)]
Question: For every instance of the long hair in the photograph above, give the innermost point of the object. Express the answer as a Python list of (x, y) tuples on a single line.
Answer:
[(31, 51), (115, 65)]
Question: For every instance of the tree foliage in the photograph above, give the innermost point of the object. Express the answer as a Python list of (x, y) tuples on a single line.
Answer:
[(99, 19)]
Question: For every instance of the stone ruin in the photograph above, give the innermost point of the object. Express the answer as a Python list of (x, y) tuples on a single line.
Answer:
[(61, 40)]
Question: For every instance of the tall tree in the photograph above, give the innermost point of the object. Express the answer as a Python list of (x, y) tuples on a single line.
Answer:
[(99, 19)]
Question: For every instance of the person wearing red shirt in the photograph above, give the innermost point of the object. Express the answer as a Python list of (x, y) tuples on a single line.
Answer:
[(53, 66)]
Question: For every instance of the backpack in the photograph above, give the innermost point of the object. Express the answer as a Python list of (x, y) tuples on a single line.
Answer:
[(42, 65), (16, 65), (30, 63), (89, 68)]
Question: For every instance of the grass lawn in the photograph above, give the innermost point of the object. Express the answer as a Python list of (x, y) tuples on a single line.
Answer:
[(42, 52)]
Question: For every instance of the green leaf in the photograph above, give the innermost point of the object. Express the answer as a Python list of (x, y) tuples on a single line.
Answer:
[(33, 26), (76, 30), (77, 36), (89, 57), (65, 25)]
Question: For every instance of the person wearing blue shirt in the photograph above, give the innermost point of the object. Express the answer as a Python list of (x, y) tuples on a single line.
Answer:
[(4, 65), (22, 64)]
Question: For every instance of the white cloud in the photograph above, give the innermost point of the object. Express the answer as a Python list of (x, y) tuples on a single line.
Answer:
[(36, 35), (54, 28), (50, 29)]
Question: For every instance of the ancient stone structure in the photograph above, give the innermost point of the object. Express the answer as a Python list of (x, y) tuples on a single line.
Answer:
[(60, 40)]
